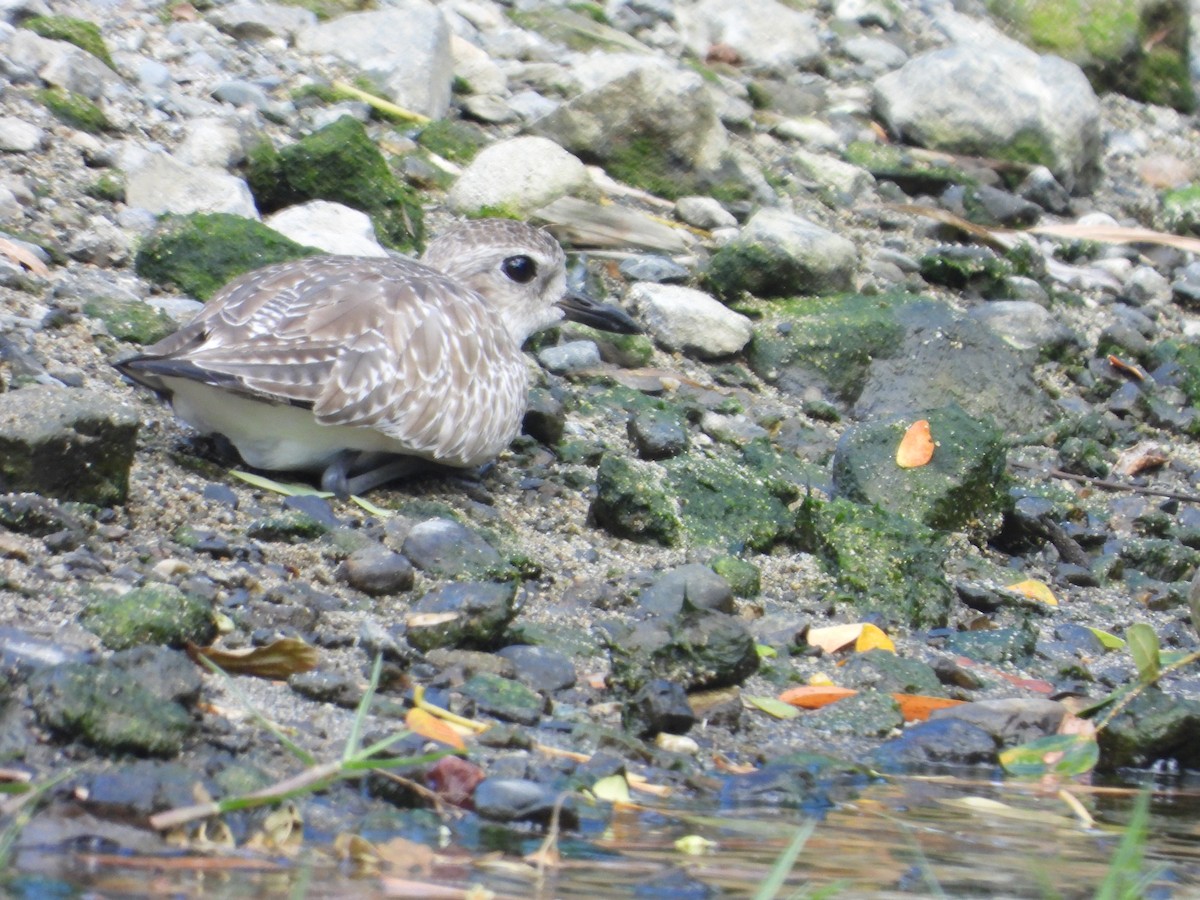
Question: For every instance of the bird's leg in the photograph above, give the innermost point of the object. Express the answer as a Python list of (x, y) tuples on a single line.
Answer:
[(336, 477), (356, 472)]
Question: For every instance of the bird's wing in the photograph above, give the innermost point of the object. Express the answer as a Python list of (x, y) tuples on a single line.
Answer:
[(389, 345)]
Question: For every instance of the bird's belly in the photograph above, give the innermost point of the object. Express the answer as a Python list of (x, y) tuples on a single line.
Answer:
[(275, 436)]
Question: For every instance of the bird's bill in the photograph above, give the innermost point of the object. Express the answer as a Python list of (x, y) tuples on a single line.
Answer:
[(604, 316)]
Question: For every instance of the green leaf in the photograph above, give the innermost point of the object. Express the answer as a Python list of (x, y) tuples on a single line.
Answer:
[(1143, 647), (1056, 754), (773, 707), (279, 487), (765, 651), (1110, 641)]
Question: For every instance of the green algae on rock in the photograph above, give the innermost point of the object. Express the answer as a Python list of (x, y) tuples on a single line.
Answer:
[(153, 614), (131, 321), (883, 564), (83, 34), (75, 110), (962, 484), (339, 163), (201, 252)]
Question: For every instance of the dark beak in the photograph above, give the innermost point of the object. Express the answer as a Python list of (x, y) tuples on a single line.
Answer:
[(586, 311)]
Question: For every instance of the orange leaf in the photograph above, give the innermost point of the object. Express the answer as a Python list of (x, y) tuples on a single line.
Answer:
[(1131, 370), (812, 697), (873, 638), (1035, 590), (832, 638), (428, 726), (916, 447), (918, 707)]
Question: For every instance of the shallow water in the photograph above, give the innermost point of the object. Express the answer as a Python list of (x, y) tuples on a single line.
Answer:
[(905, 837)]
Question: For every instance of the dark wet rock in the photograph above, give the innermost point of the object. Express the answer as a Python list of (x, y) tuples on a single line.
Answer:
[(885, 564), (458, 665), (1010, 721), (34, 515), (963, 482), (378, 571), (202, 252), (999, 645), (339, 163), (463, 614), (781, 254), (139, 788), (658, 706), (328, 687), (291, 526), (316, 508), (693, 586), (744, 578), (937, 742), (66, 443), (222, 494), (168, 674), (504, 698), (104, 707), (658, 433), (880, 670), (986, 205), (446, 548), (545, 418), (979, 270), (154, 614), (1164, 559), (966, 364), (697, 649), (521, 800), (540, 667), (866, 714), (796, 781), (631, 503), (1154, 726), (1027, 325)]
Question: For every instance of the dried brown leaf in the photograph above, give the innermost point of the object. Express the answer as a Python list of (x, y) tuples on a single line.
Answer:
[(279, 659)]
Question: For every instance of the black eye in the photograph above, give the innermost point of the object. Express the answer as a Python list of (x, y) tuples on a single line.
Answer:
[(520, 269)]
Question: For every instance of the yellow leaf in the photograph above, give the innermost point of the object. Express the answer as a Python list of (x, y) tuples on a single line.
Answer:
[(916, 447), (429, 726), (613, 788), (277, 660), (820, 679), (873, 638), (1035, 590), (694, 845)]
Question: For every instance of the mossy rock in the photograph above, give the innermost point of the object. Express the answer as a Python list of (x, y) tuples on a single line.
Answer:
[(132, 321), (154, 614), (339, 163), (1181, 210), (75, 110), (83, 34), (201, 252), (452, 139), (1163, 79), (962, 484), (832, 340), (897, 164), (630, 502), (884, 564)]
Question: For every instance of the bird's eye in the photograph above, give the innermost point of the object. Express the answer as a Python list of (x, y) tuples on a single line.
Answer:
[(520, 269)]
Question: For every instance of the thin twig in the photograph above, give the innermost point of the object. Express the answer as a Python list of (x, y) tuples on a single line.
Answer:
[(1105, 483)]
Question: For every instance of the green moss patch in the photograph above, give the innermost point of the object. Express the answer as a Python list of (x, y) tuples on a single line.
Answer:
[(341, 164), (201, 252), (75, 110), (83, 34)]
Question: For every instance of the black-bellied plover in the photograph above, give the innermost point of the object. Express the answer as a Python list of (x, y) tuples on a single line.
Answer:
[(365, 368)]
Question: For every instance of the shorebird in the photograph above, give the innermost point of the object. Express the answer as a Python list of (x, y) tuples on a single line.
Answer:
[(368, 369)]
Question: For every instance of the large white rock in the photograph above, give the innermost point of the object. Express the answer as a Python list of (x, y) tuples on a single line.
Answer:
[(404, 49), (766, 34), (688, 320), (331, 227), (522, 174), (162, 184)]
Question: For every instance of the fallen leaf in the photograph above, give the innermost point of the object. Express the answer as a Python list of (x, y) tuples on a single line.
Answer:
[(1035, 590), (21, 256), (612, 788), (917, 707), (832, 638), (773, 707), (916, 447), (1132, 370), (1062, 755), (429, 726), (1144, 648), (1141, 457), (695, 845), (815, 697), (1110, 641), (873, 638), (277, 660), (454, 779)]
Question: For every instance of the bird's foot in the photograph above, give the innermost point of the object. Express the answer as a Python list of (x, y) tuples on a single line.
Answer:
[(354, 472)]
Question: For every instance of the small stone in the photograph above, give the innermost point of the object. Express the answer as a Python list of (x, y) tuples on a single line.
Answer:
[(154, 614), (704, 212), (658, 707), (685, 319), (462, 614), (573, 356), (522, 800), (656, 269), (693, 586), (658, 434), (19, 136), (444, 547), (378, 571), (540, 667), (504, 698)]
